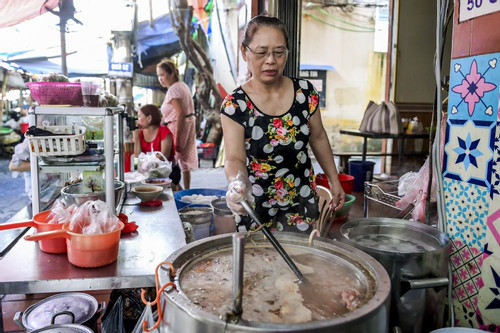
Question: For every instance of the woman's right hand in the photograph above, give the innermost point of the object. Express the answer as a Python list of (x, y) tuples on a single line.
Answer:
[(237, 191)]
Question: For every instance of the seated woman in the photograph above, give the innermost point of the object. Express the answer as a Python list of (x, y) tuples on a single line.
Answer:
[(151, 136)]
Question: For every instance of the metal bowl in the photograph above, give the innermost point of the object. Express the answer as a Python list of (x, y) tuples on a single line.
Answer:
[(74, 194)]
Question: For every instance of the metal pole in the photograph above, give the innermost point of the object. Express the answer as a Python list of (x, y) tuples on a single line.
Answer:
[(238, 263)]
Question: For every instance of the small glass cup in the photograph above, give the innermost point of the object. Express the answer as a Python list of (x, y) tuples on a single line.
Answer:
[(91, 89)]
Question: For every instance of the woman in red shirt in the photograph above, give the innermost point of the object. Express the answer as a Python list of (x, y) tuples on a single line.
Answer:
[(152, 136)]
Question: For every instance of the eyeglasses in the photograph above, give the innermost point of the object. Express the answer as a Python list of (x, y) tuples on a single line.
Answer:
[(277, 54)]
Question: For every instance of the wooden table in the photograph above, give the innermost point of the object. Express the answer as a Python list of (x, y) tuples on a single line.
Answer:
[(25, 269)]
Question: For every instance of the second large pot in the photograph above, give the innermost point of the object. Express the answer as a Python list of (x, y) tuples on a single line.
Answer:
[(416, 257), (182, 315)]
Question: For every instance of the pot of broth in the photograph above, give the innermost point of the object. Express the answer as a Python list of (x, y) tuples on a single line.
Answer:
[(345, 290), (416, 257)]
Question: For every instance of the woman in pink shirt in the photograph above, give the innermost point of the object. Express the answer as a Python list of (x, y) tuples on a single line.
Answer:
[(178, 115)]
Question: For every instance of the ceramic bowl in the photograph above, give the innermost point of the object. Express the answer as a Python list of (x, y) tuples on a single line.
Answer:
[(163, 182), (147, 192)]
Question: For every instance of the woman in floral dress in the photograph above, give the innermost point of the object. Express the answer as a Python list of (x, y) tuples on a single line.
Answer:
[(268, 124)]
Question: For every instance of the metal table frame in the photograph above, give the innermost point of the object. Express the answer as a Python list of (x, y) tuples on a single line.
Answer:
[(25, 269), (402, 140)]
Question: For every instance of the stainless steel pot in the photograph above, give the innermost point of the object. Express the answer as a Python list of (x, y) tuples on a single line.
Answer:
[(75, 194), (60, 309), (416, 257), (200, 218), (68, 328), (181, 315)]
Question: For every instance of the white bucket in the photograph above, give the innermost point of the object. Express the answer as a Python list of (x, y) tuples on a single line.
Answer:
[(200, 219)]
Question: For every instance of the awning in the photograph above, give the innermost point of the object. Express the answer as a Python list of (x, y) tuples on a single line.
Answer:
[(89, 57), (13, 12), (155, 42)]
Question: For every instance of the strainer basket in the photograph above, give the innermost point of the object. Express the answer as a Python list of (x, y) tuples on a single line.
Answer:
[(56, 93), (67, 140)]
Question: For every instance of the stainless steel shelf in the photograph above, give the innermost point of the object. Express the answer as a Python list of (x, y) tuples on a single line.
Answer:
[(70, 168), (75, 111), (112, 121)]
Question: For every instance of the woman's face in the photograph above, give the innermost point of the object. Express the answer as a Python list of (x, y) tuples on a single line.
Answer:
[(266, 54), (143, 120), (164, 78)]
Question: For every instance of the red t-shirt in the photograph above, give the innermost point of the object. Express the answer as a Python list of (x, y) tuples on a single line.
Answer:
[(155, 145)]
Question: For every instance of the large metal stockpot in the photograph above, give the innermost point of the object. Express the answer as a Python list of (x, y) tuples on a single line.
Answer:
[(181, 315), (416, 257)]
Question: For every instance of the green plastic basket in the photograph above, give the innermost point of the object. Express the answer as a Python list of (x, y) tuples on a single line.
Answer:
[(344, 211)]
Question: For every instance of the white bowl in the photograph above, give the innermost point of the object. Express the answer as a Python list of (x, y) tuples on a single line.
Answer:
[(147, 192), (163, 182)]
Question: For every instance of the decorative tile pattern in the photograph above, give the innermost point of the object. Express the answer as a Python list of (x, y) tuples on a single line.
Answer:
[(474, 87), (471, 174), (489, 296), (495, 170), (466, 264), (467, 208), (468, 154)]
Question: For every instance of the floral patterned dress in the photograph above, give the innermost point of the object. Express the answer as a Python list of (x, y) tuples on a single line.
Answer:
[(278, 164)]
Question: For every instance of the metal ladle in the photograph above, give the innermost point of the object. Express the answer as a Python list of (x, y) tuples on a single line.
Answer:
[(272, 239)]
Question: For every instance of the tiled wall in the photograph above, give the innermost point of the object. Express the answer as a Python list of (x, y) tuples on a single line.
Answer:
[(471, 171)]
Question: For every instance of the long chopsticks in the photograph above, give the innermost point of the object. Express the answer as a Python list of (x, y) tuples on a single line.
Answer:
[(272, 239)]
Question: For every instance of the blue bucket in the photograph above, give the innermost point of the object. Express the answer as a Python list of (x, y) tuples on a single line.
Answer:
[(201, 191), (362, 172)]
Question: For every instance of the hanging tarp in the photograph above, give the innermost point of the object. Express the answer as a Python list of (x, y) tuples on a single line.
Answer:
[(13, 12), (155, 41), (88, 56)]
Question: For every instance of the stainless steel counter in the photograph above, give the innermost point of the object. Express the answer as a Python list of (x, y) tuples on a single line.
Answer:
[(25, 269)]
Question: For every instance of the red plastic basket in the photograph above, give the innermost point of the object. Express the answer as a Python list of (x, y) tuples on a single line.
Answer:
[(56, 93)]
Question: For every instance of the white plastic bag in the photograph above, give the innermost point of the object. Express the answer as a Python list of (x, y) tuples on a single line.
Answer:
[(405, 182), (147, 315), (59, 213), (93, 217), (154, 164)]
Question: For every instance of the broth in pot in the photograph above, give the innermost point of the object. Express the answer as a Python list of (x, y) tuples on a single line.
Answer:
[(272, 292)]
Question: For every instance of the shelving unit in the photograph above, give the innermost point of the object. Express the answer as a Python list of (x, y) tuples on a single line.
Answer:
[(113, 133)]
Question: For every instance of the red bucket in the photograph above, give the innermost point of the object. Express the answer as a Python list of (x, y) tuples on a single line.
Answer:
[(322, 180), (347, 182), (24, 127)]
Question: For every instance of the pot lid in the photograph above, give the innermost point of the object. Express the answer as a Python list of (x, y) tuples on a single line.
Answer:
[(67, 328), (60, 308)]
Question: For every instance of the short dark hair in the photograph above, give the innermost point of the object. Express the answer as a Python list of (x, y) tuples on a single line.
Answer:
[(260, 21), (168, 66), (153, 111)]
